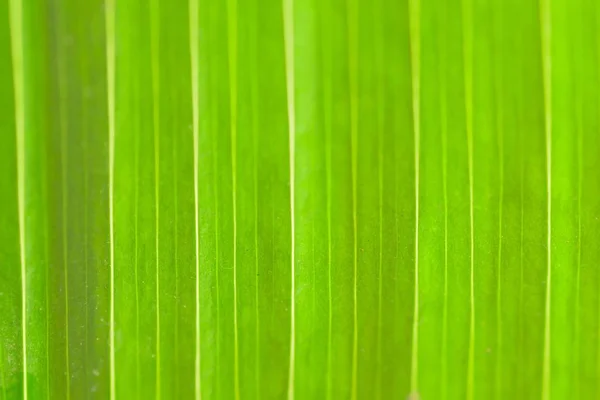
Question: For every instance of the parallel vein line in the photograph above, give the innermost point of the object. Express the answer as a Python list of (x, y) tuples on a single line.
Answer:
[(155, 65), (46, 192), (16, 35), (380, 95), (288, 22), (110, 78), (255, 138), (597, 97), (136, 257), (353, 92), (214, 128), (415, 61), (468, 82), (64, 129), (232, 22), (522, 320), (444, 134), (195, 65), (499, 83), (546, 38), (577, 341), (85, 151), (326, 72), (176, 261)]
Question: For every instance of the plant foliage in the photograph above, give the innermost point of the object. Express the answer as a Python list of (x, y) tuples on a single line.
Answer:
[(311, 199)]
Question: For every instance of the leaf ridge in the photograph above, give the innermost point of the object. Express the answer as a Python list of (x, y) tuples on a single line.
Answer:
[(468, 82), (499, 81), (546, 40), (414, 19), (353, 88), (109, 19), (194, 69), (232, 51), (63, 127), (17, 55), (327, 125), (255, 132), (379, 62), (444, 134), (155, 67), (136, 254), (289, 42)]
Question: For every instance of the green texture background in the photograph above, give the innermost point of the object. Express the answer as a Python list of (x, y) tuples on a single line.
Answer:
[(311, 199)]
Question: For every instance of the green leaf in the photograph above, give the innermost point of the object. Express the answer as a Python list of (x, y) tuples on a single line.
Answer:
[(299, 199)]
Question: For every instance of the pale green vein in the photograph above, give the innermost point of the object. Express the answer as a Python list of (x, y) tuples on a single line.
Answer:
[(380, 283), (521, 248), (468, 82), (546, 38), (256, 275), (232, 41), (329, 262), (327, 125), (597, 32), (444, 121), (576, 345), (272, 253), (415, 64), (86, 196), (353, 89), (498, 83), (380, 35), (232, 24), (16, 36), (63, 127), (176, 261), (155, 54), (45, 191), (215, 135), (314, 320), (444, 134), (110, 77), (255, 132), (136, 190), (288, 22), (195, 67), (256, 265), (444, 350)]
